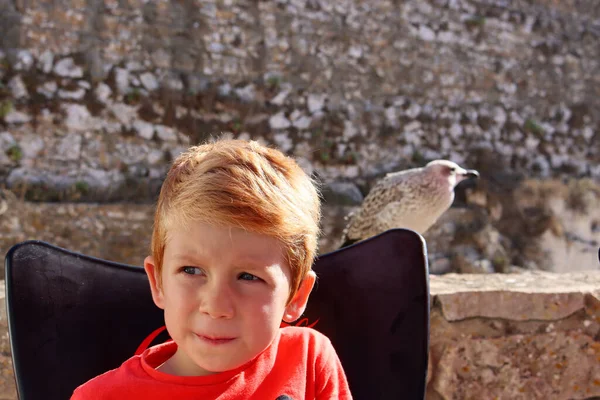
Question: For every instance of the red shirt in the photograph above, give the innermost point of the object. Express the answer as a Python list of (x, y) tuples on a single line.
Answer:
[(300, 363)]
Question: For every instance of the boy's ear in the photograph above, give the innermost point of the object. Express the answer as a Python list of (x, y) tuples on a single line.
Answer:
[(155, 286), (296, 307)]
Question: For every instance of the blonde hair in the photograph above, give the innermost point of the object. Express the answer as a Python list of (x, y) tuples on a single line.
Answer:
[(243, 184)]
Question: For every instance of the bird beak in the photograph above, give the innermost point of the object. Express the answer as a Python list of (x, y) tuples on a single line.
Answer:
[(471, 174)]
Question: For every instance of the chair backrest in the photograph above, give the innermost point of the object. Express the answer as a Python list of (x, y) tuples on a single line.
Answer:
[(72, 317)]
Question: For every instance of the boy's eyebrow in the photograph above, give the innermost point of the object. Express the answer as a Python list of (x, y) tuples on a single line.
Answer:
[(245, 261), (186, 257), (254, 262)]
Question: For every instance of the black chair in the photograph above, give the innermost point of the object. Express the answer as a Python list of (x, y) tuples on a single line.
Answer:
[(72, 317)]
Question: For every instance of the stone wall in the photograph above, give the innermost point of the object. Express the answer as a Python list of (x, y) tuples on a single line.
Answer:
[(355, 89), (96, 97)]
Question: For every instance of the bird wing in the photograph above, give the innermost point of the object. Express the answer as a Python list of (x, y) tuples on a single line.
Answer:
[(385, 200), (387, 217), (360, 219)]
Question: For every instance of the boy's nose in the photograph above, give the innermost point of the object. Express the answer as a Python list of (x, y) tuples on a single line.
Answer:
[(217, 301)]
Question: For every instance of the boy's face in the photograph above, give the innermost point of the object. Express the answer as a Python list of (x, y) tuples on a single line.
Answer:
[(224, 293)]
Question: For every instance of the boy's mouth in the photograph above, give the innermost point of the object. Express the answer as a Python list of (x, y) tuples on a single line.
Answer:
[(215, 340)]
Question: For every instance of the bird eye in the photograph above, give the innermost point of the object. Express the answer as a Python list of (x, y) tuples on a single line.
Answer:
[(452, 169)]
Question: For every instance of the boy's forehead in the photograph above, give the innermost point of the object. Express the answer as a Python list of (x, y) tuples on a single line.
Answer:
[(198, 238)]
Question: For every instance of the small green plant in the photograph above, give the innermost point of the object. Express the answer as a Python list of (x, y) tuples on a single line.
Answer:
[(133, 97), (15, 153), (532, 126), (82, 187), (351, 157), (418, 158), (273, 82), (237, 126), (4, 90), (317, 134), (324, 156), (326, 150), (476, 21), (5, 107), (500, 262)]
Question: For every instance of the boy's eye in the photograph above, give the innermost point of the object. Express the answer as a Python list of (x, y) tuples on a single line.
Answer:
[(192, 270), (248, 277)]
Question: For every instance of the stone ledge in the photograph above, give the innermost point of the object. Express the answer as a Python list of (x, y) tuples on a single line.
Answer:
[(528, 296), (525, 336), (557, 365)]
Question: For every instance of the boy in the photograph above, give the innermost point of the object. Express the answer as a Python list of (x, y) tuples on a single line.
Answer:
[(234, 238)]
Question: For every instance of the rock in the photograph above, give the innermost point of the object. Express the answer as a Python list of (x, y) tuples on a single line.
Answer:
[(355, 52), (279, 99), (69, 148), (24, 60), (24, 177), (102, 180), (499, 116), (315, 103), (156, 157), (247, 93), (103, 92), (302, 122), (166, 133), (6, 141), (17, 87), (306, 165), (149, 81), (391, 117), (342, 193), (134, 66), (133, 156), (350, 130), (125, 114), (48, 89), (66, 68), (78, 117), (72, 94), (5, 161), (196, 84), (45, 61), (144, 129), (174, 152), (456, 131), (172, 81), (215, 47), (122, 80), (279, 121), (7, 144), (413, 111), (467, 260), (440, 266), (224, 90), (283, 141), (16, 117), (161, 58), (31, 146), (426, 33)]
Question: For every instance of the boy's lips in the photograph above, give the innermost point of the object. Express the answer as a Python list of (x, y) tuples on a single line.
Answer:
[(215, 339)]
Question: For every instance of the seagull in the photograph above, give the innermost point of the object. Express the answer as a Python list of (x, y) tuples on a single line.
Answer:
[(411, 199)]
